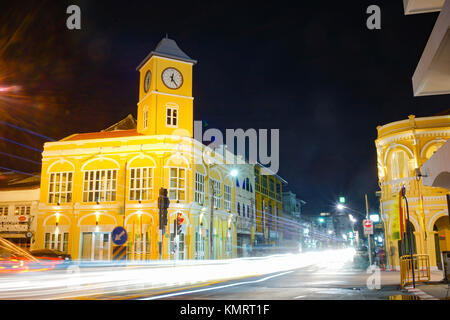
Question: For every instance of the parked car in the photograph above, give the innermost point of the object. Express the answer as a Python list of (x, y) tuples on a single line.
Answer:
[(14, 259), (61, 260)]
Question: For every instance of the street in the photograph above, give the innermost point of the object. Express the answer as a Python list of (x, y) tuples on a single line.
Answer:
[(319, 275)]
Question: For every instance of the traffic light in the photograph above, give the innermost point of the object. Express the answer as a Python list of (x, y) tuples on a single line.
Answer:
[(180, 220), (163, 205), (342, 200)]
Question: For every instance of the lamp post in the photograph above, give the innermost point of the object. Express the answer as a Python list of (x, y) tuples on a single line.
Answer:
[(211, 212)]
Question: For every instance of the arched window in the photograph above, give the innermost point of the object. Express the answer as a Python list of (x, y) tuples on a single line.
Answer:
[(431, 150), (145, 118), (399, 165)]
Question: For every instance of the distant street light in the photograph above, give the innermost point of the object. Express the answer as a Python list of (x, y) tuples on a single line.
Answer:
[(340, 207), (234, 173)]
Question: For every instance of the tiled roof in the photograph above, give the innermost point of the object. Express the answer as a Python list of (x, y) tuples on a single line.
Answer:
[(168, 48), (103, 135)]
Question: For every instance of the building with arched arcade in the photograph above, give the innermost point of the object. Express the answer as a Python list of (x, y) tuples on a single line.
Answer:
[(402, 148), (94, 182)]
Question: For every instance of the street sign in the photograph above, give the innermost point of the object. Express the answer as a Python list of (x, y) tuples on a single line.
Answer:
[(119, 236), (368, 227), (119, 253)]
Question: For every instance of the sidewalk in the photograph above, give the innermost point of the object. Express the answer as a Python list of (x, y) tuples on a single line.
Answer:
[(436, 289)]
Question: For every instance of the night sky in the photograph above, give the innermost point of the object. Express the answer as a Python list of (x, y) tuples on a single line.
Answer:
[(314, 71)]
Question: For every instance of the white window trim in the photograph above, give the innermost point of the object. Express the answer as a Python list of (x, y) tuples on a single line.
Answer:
[(102, 191), (178, 178), (55, 243), (227, 196), (172, 107), (217, 191), (199, 194), (55, 194), (22, 212), (149, 188), (145, 118)]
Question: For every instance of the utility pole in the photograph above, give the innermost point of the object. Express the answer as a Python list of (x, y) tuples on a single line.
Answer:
[(410, 235), (211, 224), (368, 239), (163, 205)]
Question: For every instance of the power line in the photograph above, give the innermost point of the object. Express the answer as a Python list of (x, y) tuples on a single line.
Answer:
[(26, 130)]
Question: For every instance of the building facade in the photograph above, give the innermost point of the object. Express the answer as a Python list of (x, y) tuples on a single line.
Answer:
[(402, 148), (19, 198), (94, 182), (245, 208), (269, 206), (291, 229)]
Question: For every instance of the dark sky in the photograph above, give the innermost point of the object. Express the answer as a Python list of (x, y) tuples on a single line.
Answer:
[(314, 71)]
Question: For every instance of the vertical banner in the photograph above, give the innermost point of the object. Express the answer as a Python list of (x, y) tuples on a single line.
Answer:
[(448, 206), (401, 215), (421, 216), (395, 218)]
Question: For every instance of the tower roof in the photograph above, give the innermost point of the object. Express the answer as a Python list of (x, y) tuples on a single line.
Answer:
[(168, 48)]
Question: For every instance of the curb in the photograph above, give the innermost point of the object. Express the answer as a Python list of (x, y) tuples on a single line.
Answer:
[(419, 293)]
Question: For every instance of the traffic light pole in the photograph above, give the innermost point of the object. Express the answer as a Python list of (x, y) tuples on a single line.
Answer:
[(211, 224), (410, 235), (368, 239)]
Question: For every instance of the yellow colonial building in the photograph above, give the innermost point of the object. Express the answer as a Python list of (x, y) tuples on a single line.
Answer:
[(403, 147), (269, 206), (94, 182)]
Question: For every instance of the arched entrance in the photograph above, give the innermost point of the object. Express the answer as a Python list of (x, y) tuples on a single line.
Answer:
[(441, 238)]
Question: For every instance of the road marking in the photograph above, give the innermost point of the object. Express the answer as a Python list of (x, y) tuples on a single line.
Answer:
[(299, 297), (215, 288)]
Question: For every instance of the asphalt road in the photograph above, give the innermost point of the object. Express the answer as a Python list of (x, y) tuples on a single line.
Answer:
[(309, 283), (306, 276)]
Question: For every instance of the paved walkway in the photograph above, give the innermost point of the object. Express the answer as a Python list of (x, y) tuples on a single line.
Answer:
[(436, 289)]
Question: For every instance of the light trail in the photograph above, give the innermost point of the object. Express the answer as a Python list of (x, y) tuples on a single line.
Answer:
[(141, 277), (17, 171), (20, 144), (20, 158), (25, 130), (216, 288)]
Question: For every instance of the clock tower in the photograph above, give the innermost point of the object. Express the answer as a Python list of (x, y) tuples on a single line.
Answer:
[(165, 104)]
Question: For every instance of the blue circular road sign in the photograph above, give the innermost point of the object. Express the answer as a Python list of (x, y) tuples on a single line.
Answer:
[(119, 236)]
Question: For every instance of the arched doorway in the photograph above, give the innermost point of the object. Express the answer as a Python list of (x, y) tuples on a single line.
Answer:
[(442, 232)]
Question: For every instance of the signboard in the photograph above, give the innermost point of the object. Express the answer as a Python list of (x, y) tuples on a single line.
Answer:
[(13, 223), (119, 236), (368, 227)]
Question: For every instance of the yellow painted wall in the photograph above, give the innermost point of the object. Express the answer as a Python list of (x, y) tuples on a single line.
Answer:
[(415, 138)]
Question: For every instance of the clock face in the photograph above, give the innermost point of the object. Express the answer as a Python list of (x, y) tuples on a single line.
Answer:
[(147, 81), (172, 78)]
